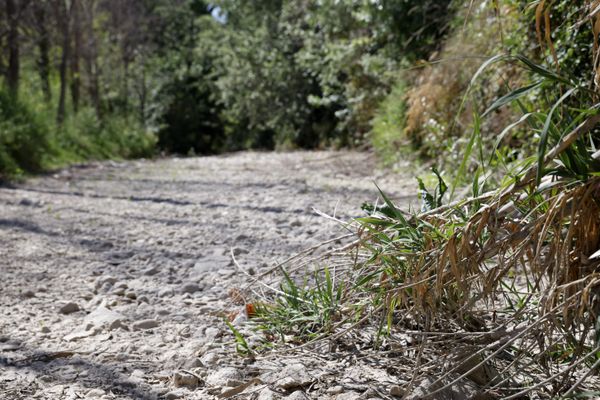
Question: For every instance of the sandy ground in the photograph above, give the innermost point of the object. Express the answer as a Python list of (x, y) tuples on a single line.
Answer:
[(115, 276)]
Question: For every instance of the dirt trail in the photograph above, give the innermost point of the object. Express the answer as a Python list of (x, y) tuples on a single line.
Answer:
[(116, 275)]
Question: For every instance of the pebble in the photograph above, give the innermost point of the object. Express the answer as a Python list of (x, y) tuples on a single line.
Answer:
[(293, 376), (190, 288), (348, 396), (397, 391), (335, 390), (143, 299), (185, 379), (210, 359), (144, 324), (297, 395), (103, 317), (267, 394), (94, 393), (151, 271), (212, 333), (192, 362), (69, 308), (227, 376), (105, 280), (175, 394)]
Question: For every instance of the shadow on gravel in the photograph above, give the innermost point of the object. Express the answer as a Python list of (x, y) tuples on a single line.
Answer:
[(47, 367), (100, 196), (23, 226)]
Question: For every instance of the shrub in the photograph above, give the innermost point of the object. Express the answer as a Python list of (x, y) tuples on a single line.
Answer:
[(24, 138)]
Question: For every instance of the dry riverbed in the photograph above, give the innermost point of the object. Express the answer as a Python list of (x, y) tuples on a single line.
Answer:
[(116, 276)]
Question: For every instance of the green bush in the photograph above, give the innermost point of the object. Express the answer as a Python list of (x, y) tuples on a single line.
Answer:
[(30, 140), (389, 122), (84, 136), (24, 144)]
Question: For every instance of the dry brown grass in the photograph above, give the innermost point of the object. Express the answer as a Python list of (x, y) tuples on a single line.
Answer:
[(436, 115)]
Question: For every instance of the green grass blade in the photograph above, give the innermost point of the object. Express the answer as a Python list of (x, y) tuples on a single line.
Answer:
[(544, 135)]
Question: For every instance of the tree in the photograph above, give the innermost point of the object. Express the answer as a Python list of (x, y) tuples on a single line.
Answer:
[(40, 23), (13, 69), (63, 14)]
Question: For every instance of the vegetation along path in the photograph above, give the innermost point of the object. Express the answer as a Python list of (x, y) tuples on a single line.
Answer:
[(116, 277)]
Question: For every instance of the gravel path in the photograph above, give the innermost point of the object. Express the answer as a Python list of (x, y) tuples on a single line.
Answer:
[(116, 276)]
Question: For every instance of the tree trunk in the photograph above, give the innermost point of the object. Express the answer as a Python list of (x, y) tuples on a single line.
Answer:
[(12, 72), (43, 43), (90, 57), (63, 15), (75, 71)]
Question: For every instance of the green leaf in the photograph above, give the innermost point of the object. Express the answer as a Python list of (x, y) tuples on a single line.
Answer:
[(510, 97), (544, 135)]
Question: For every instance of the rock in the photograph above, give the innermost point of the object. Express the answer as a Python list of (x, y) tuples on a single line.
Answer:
[(102, 317), (237, 251), (461, 390), (190, 288), (151, 271), (87, 296), (348, 396), (267, 394), (137, 375), (369, 394), (144, 324), (80, 334), (175, 394), (297, 395), (210, 359), (118, 292), (212, 333), (192, 362), (131, 295), (293, 376), (45, 329), (185, 379), (296, 223), (28, 294), (69, 308), (166, 292), (227, 376), (105, 280), (335, 390), (397, 391), (94, 393), (143, 299)]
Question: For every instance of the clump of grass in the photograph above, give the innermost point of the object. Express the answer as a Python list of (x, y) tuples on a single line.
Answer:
[(302, 311)]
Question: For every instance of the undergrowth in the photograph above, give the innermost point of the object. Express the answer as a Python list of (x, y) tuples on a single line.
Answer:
[(500, 287), (31, 141)]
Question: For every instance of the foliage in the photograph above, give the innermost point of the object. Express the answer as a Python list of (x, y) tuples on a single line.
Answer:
[(289, 77), (24, 141), (499, 287)]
